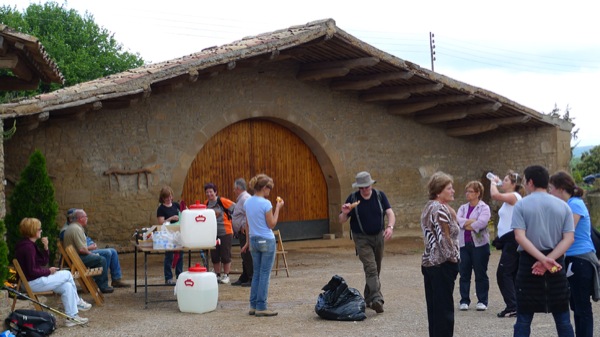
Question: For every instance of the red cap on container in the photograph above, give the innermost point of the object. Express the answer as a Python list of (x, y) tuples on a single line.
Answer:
[(197, 205), (197, 269)]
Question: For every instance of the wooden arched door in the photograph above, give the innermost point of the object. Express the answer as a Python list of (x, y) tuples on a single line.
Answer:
[(255, 146)]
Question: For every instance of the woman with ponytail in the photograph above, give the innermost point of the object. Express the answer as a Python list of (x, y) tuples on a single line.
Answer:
[(261, 241), (580, 258), (511, 190)]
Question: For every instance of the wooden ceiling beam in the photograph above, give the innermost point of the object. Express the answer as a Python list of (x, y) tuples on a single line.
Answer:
[(317, 75), (9, 61), (471, 130), (440, 117), (31, 122), (398, 93), (405, 109), (362, 62), (11, 83), (498, 121), (369, 81), (326, 70), (3, 46), (468, 109), (425, 103)]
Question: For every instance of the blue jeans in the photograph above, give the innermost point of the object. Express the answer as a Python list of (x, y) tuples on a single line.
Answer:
[(474, 259), (94, 261), (112, 259), (263, 256), (562, 320), (582, 285), (169, 263)]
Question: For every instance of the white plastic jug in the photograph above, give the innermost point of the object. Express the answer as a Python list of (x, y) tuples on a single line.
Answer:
[(198, 226), (197, 290)]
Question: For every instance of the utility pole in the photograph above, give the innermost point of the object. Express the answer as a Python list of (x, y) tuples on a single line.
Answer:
[(432, 48)]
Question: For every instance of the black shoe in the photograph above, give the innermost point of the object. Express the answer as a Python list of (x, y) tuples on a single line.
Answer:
[(507, 313), (237, 283), (107, 290), (377, 306), (247, 284)]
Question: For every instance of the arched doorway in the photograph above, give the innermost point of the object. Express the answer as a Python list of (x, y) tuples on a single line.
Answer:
[(254, 146)]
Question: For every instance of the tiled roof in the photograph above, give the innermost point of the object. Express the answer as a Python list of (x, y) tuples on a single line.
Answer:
[(325, 53), (31, 50)]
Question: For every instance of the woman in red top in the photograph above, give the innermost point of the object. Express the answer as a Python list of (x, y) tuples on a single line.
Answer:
[(34, 260)]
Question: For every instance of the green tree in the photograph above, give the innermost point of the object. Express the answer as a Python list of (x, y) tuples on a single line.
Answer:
[(33, 197), (82, 50), (590, 162)]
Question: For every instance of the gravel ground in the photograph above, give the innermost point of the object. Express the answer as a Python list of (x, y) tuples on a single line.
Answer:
[(312, 264)]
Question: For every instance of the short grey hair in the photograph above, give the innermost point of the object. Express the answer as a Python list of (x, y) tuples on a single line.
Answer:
[(77, 214), (240, 183)]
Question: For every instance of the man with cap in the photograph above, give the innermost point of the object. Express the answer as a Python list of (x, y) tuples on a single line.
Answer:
[(110, 254), (366, 209)]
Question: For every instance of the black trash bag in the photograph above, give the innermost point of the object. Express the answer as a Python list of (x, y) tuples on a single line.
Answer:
[(339, 302)]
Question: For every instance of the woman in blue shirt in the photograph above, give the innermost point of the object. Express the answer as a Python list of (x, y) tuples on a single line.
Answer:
[(261, 220), (580, 258)]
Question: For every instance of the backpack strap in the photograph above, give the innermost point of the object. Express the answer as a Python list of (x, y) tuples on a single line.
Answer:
[(225, 210), (354, 198)]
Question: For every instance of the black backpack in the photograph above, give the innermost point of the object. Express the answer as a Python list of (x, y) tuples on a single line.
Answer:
[(30, 323)]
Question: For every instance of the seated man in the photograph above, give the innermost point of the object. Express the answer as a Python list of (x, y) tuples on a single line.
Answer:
[(110, 254), (74, 235)]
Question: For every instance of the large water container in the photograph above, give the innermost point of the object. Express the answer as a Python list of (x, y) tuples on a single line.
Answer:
[(197, 290), (198, 226)]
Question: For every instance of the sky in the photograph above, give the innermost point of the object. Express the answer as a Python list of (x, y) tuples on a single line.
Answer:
[(540, 54)]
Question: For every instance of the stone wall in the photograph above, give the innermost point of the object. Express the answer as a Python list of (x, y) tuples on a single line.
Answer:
[(165, 132)]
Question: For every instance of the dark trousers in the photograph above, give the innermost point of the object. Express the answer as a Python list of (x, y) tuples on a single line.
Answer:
[(474, 259), (369, 249), (439, 284), (507, 273), (582, 286), (247, 267)]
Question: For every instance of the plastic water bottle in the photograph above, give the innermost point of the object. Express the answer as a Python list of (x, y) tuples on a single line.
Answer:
[(492, 177)]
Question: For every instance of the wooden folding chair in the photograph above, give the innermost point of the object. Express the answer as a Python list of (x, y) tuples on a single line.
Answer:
[(280, 251), (22, 282), (84, 275)]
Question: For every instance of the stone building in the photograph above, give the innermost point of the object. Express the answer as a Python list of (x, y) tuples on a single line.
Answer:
[(309, 105)]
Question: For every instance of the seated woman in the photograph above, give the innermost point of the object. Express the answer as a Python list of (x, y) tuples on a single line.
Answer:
[(33, 261)]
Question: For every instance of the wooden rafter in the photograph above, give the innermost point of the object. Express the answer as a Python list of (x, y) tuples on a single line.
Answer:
[(369, 81), (471, 130), (325, 70), (471, 127), (398, 93), (424, 103)]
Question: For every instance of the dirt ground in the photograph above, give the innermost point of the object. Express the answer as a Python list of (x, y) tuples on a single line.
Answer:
[(312, 263)]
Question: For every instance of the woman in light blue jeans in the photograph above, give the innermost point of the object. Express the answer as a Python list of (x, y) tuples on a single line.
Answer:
[(261, 241)]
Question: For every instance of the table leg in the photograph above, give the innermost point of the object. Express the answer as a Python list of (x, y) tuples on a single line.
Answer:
[(145, 280), (135, 270)]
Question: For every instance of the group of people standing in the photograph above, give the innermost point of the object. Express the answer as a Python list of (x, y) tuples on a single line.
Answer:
[(548, 260), (252, 218)]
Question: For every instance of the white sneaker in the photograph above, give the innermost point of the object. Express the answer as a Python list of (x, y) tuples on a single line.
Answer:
[(224, 279), (81, 321), (83, 305), (463, 307), (481, 307)]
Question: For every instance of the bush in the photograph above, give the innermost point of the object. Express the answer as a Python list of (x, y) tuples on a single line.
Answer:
[(33, 197)]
